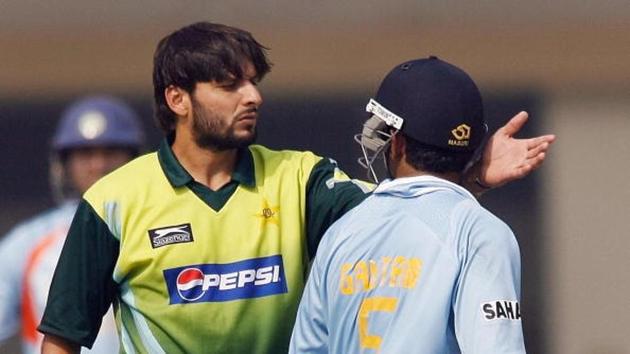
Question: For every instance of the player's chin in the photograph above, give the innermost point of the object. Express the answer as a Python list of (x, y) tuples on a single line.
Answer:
[(247, 137)]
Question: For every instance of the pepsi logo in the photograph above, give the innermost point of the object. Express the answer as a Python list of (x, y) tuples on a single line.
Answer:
[(190, 284), (215, 282)]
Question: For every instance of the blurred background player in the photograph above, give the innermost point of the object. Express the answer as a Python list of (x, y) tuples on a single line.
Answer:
[(95, 135), (420, 266)]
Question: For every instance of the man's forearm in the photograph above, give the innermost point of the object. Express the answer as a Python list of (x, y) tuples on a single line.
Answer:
[(57, 345)]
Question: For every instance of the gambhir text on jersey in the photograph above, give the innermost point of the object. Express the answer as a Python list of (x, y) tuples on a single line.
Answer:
[(393, 272)]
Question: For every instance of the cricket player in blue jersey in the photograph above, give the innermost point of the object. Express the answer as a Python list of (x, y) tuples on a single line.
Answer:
[(95, 135), (419, 266)]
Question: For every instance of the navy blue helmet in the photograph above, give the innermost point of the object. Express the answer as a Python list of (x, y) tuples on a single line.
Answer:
[(98, 121)]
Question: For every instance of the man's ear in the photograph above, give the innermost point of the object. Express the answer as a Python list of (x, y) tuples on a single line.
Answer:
[(178, 100), (398, 144)]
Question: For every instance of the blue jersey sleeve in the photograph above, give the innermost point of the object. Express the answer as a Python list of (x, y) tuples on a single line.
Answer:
[(486, 305), (12, 260)]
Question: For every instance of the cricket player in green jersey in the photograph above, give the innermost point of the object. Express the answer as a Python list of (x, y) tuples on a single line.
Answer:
[(203, 245)]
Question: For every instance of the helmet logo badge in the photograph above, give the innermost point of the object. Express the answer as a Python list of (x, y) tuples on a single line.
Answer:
[(461, 135), (92, 124)]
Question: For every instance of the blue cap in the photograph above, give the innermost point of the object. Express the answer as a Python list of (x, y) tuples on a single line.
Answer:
[(98, 121), (439, 104)]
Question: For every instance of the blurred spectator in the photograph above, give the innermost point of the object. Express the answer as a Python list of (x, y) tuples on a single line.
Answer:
[(94, 136)]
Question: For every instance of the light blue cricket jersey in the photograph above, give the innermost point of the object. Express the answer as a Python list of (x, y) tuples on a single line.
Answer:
[(418, 267)]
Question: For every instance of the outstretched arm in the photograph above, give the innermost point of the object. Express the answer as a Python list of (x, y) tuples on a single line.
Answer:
[(506, 158)]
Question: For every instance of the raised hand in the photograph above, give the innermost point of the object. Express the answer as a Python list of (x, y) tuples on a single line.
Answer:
[(506, 158)]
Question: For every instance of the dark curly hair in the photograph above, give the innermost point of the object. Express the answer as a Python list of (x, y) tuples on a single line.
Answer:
[(202, 52)]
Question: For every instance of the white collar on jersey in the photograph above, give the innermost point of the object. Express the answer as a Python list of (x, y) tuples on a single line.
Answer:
[(425, 184)]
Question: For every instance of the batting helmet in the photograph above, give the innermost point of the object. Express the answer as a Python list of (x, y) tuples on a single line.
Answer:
[(98, 121), (429, 100)]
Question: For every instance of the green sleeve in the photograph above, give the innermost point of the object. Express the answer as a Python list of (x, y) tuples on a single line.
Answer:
[(82, 288), (330, 193)]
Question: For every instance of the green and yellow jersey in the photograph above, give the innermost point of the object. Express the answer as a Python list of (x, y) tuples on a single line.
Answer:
[(192, 270)]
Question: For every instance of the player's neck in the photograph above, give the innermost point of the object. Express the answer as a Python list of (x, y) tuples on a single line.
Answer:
[(406, 170), (209, 167)]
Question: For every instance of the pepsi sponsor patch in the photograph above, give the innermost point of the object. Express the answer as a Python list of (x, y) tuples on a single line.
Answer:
[(171, 234), (501, 310), (246, 279)]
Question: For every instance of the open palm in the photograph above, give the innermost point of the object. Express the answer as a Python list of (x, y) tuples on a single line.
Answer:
[(506, 158)]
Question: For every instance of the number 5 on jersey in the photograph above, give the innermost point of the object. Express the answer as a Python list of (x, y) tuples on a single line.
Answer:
[(372, 304)]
